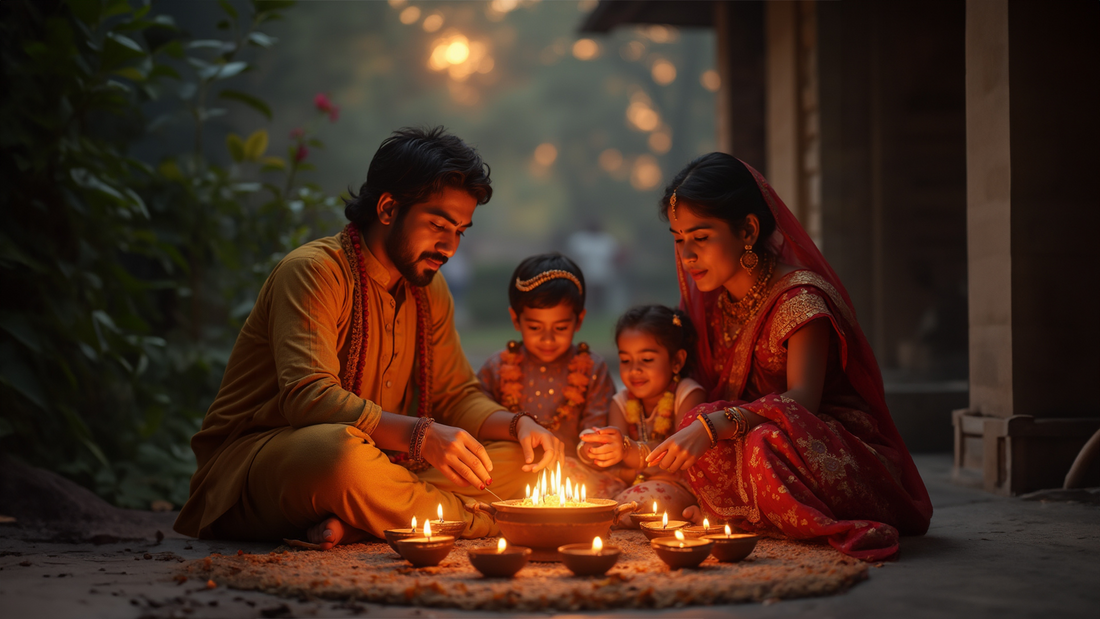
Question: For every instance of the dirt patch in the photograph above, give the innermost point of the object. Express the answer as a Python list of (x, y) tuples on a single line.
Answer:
[(777, 569)]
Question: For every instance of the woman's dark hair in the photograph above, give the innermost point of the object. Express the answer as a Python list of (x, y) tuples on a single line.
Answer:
[(720, 186), (413, 164), (660, 321), (553, 291)]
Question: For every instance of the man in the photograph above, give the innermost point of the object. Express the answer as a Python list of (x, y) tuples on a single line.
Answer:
[(350, 360)]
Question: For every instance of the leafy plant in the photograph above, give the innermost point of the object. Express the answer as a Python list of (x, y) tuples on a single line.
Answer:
[(127, 280)]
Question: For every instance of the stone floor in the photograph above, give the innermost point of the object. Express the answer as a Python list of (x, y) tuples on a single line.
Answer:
[(984, 556)]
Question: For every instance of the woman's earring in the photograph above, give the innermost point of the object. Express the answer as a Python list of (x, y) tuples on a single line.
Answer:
[(749, 259)]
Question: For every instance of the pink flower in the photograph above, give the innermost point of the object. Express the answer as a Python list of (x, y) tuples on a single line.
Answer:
[(301, 153), (322, 103), (297, 134)]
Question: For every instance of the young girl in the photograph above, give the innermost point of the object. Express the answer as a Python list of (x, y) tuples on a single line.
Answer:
[(654, 344), (565, 387)]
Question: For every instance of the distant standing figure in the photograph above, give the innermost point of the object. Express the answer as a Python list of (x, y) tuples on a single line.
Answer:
[(596, 252)]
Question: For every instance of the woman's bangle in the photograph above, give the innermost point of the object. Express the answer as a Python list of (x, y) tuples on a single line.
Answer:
[(513, 428), (416, 445), (709, 427), (736, 416)]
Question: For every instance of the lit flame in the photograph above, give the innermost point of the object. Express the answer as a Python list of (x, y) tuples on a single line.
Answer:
[(528, 493), (728, 531), (501, 545), (414, 523), (428, 528), (597, 544), (439, 511), (654, 508), (706, 524), (680, 536), (559, 474), (664, 520), (584, 494), (568, 488)]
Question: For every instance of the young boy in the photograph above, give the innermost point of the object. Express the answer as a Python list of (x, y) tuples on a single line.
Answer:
[(565, 387)]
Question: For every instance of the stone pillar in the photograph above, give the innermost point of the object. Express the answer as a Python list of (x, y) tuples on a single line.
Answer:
[(739, 27), (1032, 91)]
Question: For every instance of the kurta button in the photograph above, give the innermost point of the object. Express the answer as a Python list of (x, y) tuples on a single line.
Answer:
[(389, 383), (392, 303), (389, 327)]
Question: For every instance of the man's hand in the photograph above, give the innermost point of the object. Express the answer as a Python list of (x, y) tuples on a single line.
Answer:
[(604, 445), (530, 435), (682, 449), (457, 455)]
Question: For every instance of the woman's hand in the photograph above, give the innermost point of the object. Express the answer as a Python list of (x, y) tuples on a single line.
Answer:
[(457, 455), (530, 435), (604, 445), (682, 449)]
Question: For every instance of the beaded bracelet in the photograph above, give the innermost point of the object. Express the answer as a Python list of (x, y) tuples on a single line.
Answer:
[(709, 427), (513, 428), (416, 446)]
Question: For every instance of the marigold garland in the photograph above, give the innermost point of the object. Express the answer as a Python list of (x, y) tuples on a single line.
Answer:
[(360, 335), (575, 393), (662, 423)]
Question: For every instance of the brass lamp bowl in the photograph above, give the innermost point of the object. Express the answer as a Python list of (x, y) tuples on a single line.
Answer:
[(543, 529)]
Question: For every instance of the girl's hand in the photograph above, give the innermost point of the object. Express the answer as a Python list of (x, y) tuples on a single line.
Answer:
[(682, 449), (604, 446), (530, 435)]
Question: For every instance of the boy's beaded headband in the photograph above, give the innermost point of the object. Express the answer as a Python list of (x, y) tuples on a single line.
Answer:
[(545, 276)]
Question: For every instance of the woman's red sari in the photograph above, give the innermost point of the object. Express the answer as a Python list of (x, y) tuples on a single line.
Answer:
[(843, 474)]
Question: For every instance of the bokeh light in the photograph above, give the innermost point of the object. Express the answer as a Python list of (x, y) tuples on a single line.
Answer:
[(642, 117), (632, 51), (586, 49), (409, 15), (611, 160), (664, 72), (711, 80), (545, 154), (432, 22), (646, 173), (660, 142)]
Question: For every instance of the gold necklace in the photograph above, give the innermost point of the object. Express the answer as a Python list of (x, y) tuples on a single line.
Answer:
[(737, 313)]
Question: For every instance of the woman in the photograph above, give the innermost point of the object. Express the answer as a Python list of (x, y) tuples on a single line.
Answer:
[(795, 438)]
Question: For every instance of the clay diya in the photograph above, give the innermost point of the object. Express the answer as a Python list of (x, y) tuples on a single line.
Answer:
[(428, 550), (664, 528), (641, 518), (589, 560), (731, 547), (553, 514), (500, 562), (392, 535), (447, 527), (679, 552), (700, 530)]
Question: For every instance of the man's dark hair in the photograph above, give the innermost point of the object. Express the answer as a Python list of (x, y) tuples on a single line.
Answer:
[(552, 292), (412, 165)]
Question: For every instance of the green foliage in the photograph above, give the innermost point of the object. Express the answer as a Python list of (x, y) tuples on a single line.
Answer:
[(125, 280)]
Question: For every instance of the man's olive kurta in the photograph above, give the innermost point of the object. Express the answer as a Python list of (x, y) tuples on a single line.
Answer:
[(284, 376)]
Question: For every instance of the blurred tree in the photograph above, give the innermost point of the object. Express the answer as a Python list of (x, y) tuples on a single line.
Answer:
[(128, 280)]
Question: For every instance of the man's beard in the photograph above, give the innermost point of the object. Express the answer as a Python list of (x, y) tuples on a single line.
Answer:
[(401, 254)]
